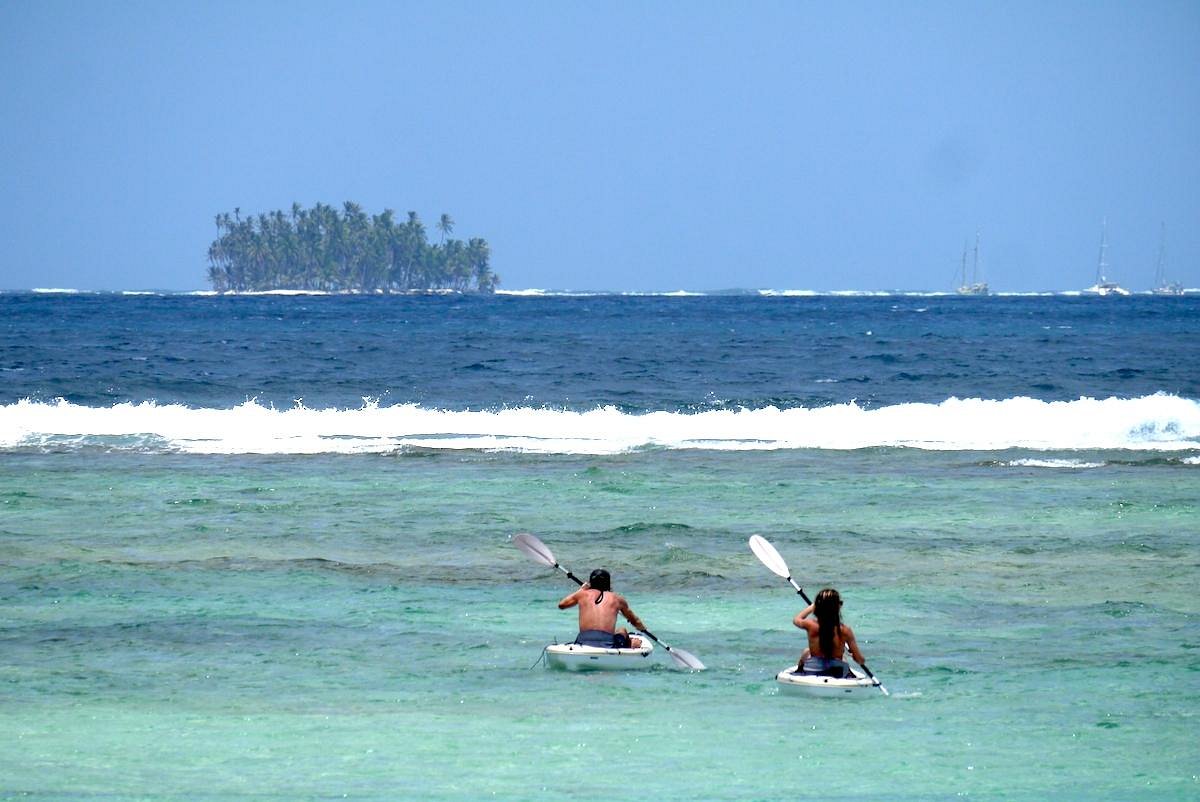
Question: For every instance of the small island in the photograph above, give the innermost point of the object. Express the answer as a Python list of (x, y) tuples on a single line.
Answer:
[(324, 250)]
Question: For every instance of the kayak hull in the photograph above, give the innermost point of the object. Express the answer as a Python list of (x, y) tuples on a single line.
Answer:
[(573, 657), (809, 685)]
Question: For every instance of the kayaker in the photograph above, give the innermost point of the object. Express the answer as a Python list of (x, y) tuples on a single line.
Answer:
[(828, 637), (598, 607)]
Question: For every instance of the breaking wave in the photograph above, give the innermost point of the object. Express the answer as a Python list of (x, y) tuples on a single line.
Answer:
[(1151, 423)]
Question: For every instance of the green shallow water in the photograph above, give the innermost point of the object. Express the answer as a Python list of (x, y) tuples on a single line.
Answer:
[(360, 627)]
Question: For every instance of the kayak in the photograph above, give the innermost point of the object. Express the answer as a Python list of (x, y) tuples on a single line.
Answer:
[(814, 685), (574, 657)]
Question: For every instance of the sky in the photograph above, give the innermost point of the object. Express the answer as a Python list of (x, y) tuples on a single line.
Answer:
[(648, 146)]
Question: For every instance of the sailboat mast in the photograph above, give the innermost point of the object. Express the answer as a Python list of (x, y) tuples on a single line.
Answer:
[(1102, 266), (1160, 269), (975, 266)]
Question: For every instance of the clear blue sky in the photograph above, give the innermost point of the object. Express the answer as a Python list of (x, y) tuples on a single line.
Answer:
[(625, 146)]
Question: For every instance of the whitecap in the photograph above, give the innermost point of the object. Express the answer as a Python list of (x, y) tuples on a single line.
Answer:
[(1151, 423), (1052, 463)]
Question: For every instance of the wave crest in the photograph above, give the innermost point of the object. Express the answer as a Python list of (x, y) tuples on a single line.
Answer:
[(1151, 423)]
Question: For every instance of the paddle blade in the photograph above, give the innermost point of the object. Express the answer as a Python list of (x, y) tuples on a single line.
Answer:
[(682, 659), (685, 659), (765, 552), (535, 548)]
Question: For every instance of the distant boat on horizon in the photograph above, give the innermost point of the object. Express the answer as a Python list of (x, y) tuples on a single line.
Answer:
[(974, 286), (1103, 285), (1161, 285)]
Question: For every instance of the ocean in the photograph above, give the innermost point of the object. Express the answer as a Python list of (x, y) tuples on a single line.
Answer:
[(259, 547)]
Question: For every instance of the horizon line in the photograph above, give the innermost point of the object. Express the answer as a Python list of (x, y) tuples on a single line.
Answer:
[(535, 292)]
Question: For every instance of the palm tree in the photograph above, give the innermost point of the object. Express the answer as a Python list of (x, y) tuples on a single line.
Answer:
[(446, 226), (413, 245), (379, 258), (478, 253)]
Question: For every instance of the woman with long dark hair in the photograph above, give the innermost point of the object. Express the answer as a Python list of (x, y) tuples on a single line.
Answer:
[(828, 637)]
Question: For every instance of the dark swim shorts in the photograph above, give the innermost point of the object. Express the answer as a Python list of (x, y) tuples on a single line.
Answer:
[(824, 667), (601, 639)]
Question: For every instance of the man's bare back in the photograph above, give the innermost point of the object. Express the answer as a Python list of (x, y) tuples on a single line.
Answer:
[(598, 611)]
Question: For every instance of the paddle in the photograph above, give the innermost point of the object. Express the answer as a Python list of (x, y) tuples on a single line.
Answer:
[(771, 558), (539, 552)]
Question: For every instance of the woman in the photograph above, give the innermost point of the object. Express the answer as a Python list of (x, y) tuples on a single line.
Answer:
[(828, 637)]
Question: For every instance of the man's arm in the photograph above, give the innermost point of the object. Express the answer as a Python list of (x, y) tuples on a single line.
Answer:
[(573, 599), (630, 616)]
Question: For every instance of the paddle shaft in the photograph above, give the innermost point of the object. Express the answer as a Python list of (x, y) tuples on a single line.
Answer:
[(800, 590), (578, 581)]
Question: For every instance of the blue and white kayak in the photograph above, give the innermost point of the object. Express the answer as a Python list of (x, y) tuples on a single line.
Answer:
[(813, 685), (574, 657)]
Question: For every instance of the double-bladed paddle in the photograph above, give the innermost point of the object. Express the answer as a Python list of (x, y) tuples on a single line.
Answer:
[(539, 552), (771, 558)]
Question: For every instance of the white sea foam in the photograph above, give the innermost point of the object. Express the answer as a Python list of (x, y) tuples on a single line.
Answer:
[(663, 294), (540, 293), (289, 292), (1152, 423), (1052, 463)]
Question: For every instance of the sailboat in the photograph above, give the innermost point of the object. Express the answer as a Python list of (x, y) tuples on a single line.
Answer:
[(975, 286), (1161, 285), (1103, 286)]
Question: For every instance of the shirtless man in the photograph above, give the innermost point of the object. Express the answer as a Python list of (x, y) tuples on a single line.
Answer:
[(598, 608), (828, 637)]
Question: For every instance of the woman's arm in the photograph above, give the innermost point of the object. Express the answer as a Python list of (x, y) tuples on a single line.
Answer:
[(852, 644)]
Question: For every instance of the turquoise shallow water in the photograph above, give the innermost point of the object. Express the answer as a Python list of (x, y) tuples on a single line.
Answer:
[(330, 627)]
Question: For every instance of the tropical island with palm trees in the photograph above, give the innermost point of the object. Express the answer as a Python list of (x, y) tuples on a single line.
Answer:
[(324, 250)]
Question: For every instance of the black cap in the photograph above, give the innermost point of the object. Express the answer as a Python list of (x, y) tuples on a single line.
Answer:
[(600, 580)]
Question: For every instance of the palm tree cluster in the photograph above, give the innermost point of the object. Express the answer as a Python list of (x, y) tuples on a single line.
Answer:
[(322, 249)]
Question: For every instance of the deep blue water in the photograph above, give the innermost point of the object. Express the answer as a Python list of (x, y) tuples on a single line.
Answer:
[(637, 353)]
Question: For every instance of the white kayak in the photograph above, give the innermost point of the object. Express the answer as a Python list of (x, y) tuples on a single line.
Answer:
[(814, 685), (574, 657)]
